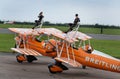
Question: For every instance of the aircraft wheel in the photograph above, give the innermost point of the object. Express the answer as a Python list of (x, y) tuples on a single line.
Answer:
[(19, 61), (50, 69), (20, 58), (54, 69), (31, 58), (84, 67)]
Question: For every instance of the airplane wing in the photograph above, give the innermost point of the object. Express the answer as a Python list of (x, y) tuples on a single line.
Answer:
[(70, 36), (29, 31), (70, 61), (48, 31), (26, 51), (78, 35), (24, 31)]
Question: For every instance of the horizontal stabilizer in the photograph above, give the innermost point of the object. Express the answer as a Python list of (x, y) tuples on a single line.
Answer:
[(26, 51), (70, 61)]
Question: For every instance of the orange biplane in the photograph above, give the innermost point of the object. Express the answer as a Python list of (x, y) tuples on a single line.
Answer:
[(73, 48)]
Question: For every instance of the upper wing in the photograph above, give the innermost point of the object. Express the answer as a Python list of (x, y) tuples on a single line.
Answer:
[(29, 31), (78, 35), (48, 31), (70, 37), (55, 32), (24, 31)]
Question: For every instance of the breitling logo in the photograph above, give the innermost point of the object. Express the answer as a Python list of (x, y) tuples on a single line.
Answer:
[(102, 63)]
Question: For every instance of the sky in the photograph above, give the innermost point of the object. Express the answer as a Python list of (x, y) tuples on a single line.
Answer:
[(105, 12)]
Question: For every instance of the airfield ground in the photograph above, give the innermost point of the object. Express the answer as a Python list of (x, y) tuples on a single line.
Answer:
[(10, 69)]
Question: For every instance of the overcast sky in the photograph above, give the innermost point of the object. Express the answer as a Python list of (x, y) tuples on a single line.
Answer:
[(105, 12)]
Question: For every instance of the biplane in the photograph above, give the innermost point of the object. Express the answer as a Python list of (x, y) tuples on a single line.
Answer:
[(73, 48)]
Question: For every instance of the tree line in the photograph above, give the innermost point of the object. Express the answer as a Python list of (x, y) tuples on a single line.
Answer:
[(47, 23)]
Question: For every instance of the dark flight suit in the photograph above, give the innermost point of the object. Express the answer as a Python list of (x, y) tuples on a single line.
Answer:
[(72, 25)]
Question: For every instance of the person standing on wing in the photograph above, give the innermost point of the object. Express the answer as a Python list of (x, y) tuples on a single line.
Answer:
[(39, 22), (72, 25)]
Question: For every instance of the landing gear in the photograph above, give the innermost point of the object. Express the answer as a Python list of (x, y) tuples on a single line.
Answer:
[(58, 67), (54, 69), (29, 58), (20, 58), (84, 67)]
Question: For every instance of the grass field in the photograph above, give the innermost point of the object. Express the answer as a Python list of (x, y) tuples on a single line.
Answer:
[(6, 42), (111, 47), (15, 26)]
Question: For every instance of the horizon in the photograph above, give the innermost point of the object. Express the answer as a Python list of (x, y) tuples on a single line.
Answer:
[(56, 23)]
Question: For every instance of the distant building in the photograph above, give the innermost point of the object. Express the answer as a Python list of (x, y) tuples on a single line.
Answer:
[(8, 22)]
